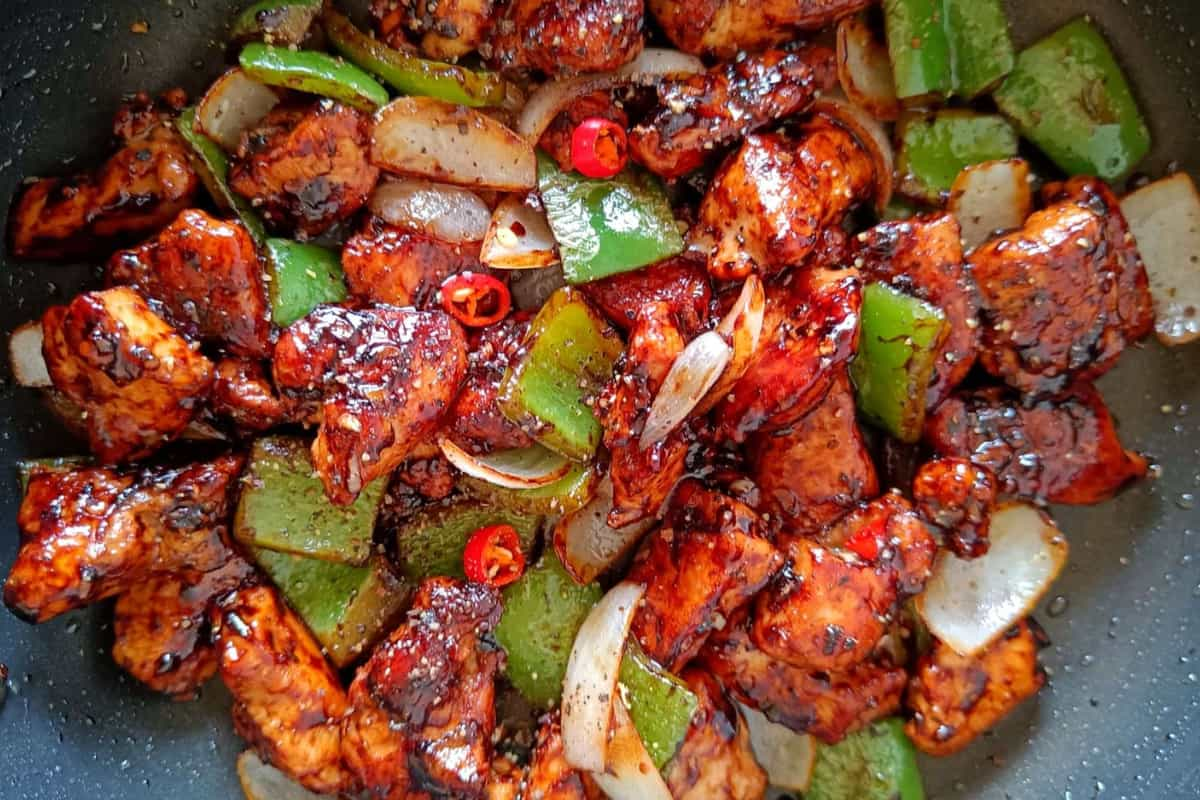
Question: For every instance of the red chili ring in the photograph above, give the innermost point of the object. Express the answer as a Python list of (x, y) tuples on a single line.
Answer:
[(475, 299), (599, 148), (493, 556)]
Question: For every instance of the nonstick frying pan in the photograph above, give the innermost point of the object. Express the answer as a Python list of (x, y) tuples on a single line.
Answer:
[(1119, 718)]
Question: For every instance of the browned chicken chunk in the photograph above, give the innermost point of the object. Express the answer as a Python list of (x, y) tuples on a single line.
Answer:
[(702, 112), (387, 264), (818, 469), (243, 394), (723, 28), (287, 701), (446, 29), (556, 139), (954, 698), (139, 381), (957, 497), (382, 378), (923, 257), (707, 560), (305, 167), (715, 761), (1062, 450), (565, 36), (139, 189), (475, 421), (374, 750), (203, 276), (550, 777), (679, 282)]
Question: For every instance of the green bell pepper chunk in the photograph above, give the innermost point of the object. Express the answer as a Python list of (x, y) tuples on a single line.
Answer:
[(569, 493), (605, 227), (283, 507), (303, 276), (935, 148), (919, 48), (347, 608), (660, 704), (1068, 96), (431, 541), (876, 763), (896, 357), (26, 467), (980, 44), (278, 22), (313, 72), (213, 168), (412, 75), (568, 354)]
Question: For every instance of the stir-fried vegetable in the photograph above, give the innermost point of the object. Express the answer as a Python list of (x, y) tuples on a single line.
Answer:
[(449, 213), (980, 44), (519, 237), (313, 72), (991, 197), (864, 69), (599, 148), (935, 149), (787, 755), (278, 22), (232, 104), (660, 704), (877, 763), (562, 496), (527, 468), (493, 556), (475, 299), (432, 541), (213, 167), (303, 276)]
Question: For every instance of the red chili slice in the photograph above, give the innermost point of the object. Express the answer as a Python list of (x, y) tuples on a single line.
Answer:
[(475, 299), (493, 556), (599, 148), (868, 540)]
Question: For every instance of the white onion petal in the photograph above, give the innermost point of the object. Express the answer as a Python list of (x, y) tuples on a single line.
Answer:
[(26, 359), (261, 781), (694, 372), (587, 545), (590, 685), (991, 197), (234, 103), (742, 325), (865, 69), (970, 604), (788, 756), (870, 135), (518, 237), (526, 468), (445, 212), (630, 773)]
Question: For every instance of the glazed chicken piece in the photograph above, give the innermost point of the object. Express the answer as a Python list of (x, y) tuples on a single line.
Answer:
[(768, 204), (505, 779), (387, 264), (203, 276), (566, 36), (139, 382), (923, 257), (435, 676), (475, 422), (827, 705), (243, 394), (887, 532), (955, 698), (810, 474), (700, 113), (287, 701), (724, 28), (92, 533), (305, 168), (824, 612), (446, 29), (1062, 450), (142, 187), (556, 139), (709, 558), (161, 628), (715, 761), (380, 379), (373, 749), (432, 478), (550, 777), (810, 332), (957, 497), (679, 282)]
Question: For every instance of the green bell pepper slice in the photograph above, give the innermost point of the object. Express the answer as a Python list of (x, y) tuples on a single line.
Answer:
[(278, 22), (410, 74), (896, 356), (212, 165), (980, 44), (431, 541), (302, 277), (919, 48), (313, 72), (569, 493), (1068, 96), (935, 148), (607, 226), (876, 763), (568, 354), (660, 704), (283, 507)]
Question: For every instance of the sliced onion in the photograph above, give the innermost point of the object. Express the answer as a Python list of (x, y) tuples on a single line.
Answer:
[(234, 103), (261, 781), (630, 773), (743, 327), (26, 359), (587, 545), (445, 212), (429, 138), (870, 135), (693, 374), (519, 237), (865, 69), (970, 604), (590, 685), (652, 65), (991, 197), (1165, 219), (787, 756), (531, 288), (526, 468)]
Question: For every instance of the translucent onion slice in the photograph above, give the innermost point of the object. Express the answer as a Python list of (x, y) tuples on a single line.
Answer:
[(991, 197), (261, 781), (26, 359), (865, 70), (630, 772), (519, 237), (232, 104), (970, 604), (693, 374), (527, 468), (586, 544), (445, 212), (787, 756), (1165, 219), (590, 685), (871, 136), (742, 326)]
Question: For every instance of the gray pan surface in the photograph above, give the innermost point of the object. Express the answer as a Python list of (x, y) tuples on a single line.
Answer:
[(1119, 719)]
